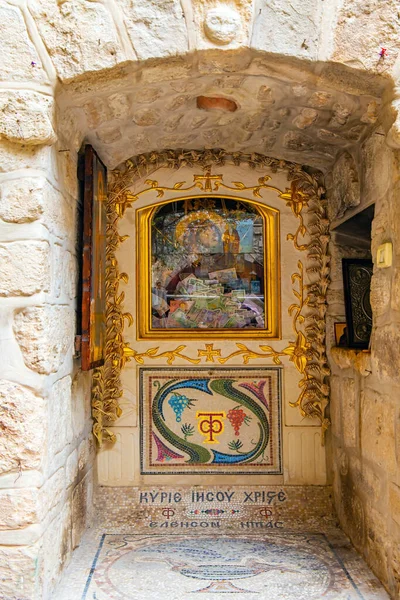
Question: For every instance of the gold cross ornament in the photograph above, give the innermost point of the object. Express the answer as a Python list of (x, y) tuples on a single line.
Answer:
[(209, 353), (208, 179)]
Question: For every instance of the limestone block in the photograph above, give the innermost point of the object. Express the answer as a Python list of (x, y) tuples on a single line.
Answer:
[(287, 27), (70, 275), (60, 417), (377, 159), (306, 118), (80, 36), (109, 135), (345, 191), (23, 426), (362, 29), (53, 495), (372, 482), (14, 156), (156, 27), (20, 61), (349, 412), (19, 508), (56, 548), (70, 127), (45, 335), (21, 572), (59, 213), (21, 200), (81, 401), (86, 453), (378, 430), (385, 353), (394, 502), (81, 504), (56, 270), (71, 468), (335, 406), (26, 118), (395, 296), (380, 291), (146, 117), (381, 226), (24, 268)]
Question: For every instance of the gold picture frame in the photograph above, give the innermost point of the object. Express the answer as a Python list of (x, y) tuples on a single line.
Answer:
[(271, 330)]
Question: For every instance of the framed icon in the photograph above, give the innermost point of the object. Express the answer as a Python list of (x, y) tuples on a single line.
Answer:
[(94, 261), (357, 273)]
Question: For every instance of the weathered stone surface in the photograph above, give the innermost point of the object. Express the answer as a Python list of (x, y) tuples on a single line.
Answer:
[(156, 27), (59, 213), (394, 501), (23, 427), (81, 401), (146, 117), (335, 406), (395, 296), (21, 573), (20, 60), (14, 156), (306, 118), (45, 335), (377, 430), (345, 191), (53, 495), (278, 27), (359, 35), (71, 468), (57, 547), (350, 413), (19, 508), (80, 36), (60, 417), (81, 503), (26, 118), (380, 291), (385, 353), (70, 275), (21, 200), (24, 268)]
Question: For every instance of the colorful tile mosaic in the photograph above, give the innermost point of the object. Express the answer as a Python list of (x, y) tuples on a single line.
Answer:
[(178, 543), (291, 566), (222, 421)]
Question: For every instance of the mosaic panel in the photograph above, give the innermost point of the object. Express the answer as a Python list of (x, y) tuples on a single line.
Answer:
[(294, 566), (222, 421)]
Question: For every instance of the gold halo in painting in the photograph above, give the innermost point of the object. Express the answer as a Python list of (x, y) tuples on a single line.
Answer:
[(206, 223)]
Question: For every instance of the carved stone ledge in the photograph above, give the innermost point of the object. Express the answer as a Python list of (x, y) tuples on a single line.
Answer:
[(346, 358)]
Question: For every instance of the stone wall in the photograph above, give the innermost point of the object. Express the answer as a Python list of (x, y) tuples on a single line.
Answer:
[(46, 447), (365, 386)]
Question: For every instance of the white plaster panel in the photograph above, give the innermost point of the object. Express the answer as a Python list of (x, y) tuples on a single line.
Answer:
[(303, 456)]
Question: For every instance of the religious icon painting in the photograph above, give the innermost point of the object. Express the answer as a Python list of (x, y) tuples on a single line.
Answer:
[(94, 261), (208, 264), (202, 421)]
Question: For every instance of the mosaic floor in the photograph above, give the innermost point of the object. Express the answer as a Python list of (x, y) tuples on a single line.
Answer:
[(181, 565)]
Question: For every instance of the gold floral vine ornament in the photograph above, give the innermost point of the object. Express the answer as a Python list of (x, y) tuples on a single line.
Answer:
[(307, 352)]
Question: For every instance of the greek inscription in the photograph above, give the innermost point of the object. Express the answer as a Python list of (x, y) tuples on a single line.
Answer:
[(185, 524)]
